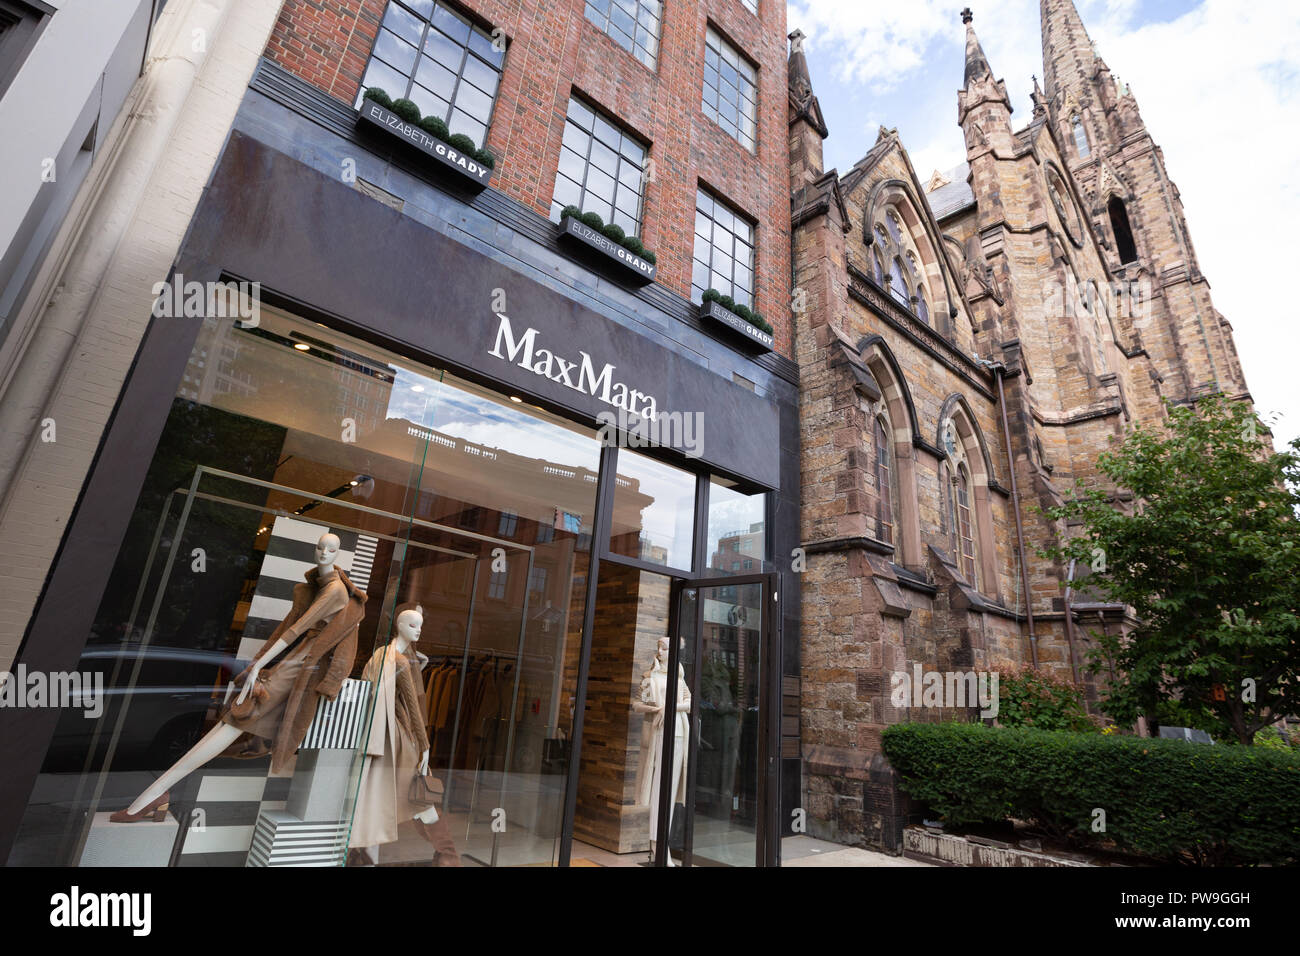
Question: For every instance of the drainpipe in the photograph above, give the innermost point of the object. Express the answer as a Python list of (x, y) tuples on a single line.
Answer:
[(1069, 621), (1000, 370)]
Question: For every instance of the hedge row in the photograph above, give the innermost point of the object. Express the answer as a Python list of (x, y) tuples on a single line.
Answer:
[(1171, 800)]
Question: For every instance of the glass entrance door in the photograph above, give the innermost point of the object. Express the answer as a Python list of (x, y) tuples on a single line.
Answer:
[(724, 631)]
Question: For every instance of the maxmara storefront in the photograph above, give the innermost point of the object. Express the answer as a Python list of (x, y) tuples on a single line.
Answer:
[(455, 497)]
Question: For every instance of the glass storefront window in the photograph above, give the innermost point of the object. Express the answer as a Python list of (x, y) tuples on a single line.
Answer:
[(654, 511), (737, 540), (415, 545)]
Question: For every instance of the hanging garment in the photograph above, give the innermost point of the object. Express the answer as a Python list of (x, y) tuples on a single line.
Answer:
[(654, 691)]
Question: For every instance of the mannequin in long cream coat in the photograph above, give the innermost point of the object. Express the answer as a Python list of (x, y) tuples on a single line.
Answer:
[(397, 746), (653, 694)]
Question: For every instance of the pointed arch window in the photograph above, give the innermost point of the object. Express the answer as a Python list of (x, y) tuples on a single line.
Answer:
[(897, 284), (885, 509), (1119, 225), (965, 525), (877, 267), (1080, 137), (922, 310)]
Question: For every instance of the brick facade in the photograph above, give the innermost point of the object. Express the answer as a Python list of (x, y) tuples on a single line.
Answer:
[(553, 50), (993, 270)]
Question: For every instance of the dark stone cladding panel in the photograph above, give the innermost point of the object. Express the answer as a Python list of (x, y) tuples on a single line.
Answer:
[(274, 82)]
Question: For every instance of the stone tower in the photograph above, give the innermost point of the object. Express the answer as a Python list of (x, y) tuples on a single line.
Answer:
[(1136, 211)]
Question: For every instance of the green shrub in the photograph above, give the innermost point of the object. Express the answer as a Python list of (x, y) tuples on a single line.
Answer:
[(568, 211), (711, 295), (1170, 800), (633, 245), (406, 110), (1034, 698), (727, 302), (379, 96), (485, 157), (593, 220), (614, 232), (744, 312), (649, 257), (1270, 738), (435, 127), (462, 143)]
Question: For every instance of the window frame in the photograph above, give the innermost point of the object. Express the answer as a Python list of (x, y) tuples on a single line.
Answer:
[(701, 192), (637, 23), (722, 48), (620, 158)]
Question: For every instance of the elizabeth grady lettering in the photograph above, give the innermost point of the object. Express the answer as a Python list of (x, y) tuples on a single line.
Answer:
[(581, 376), (419, 136)]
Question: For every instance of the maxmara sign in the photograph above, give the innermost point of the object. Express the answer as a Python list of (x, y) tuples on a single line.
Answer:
[(580, 375)]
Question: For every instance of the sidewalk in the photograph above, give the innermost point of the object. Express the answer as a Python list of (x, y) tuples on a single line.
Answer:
[(807, 851)]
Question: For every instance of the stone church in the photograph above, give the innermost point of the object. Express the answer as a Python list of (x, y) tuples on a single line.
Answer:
[(968, 343)]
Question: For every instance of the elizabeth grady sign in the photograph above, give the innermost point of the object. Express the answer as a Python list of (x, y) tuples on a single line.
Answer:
[(635, 414), (374, 113)]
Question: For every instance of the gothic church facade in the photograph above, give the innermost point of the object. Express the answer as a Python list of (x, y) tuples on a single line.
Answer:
[(968, 344)]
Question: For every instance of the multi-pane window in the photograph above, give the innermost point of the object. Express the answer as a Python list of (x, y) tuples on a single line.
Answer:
[(497, 585), (632, 24), (537, 583), (730, 89), (1080, 137), (450, 68), (602, 169), (965, 527), (507, 524), (724, 251), (884, 485)]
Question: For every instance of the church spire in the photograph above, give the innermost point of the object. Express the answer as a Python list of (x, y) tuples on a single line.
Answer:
[(1068, 53), (982, 103), (977, 64)]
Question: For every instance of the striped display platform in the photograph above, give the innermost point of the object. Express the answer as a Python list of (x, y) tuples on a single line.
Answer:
[(280, 839), (338, 722)]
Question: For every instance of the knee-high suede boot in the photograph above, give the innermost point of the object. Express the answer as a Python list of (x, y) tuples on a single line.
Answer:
[(439, 834)]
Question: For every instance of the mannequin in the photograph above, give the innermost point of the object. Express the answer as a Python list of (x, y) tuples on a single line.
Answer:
[(397, 746), (320, 636), (654, 691)]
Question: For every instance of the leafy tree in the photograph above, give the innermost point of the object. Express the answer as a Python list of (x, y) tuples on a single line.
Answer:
[(1207, 554)]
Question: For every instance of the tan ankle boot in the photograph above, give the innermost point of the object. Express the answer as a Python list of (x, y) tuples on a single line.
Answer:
[(439, 834)]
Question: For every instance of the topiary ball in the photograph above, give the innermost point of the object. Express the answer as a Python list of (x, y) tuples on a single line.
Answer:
[(568, 211), (649, 257), (462, 143), (593, 220), (744, 313), (614, 232), (379, 96), (406, 110), (485, 157), (727, 302), (711, 295), (633, 245), (435, 127)]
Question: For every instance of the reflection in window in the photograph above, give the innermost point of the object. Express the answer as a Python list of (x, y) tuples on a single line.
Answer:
[(435, 57), (724, 251), (884, 485), (601, 169), (730, 89), (654, 511), (965, 526), (1080, 137), (632, 24), (737, 524)]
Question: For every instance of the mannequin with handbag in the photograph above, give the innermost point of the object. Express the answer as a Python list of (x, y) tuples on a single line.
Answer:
[(395, 781)]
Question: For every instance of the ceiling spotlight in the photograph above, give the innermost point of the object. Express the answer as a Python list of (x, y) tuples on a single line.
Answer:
[(516, 399), (354, 482), (417, 388), (302, 346)]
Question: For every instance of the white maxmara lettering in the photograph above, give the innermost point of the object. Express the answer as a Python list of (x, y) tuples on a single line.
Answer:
[(581, 376)]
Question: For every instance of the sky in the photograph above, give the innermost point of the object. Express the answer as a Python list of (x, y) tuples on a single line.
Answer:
[(1218, 84)]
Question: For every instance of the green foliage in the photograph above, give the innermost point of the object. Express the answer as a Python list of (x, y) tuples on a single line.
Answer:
[(485, 157), (614, 232), (727, 302), (406, 110), (1035, 698), (593, 220), (379, 96), (711, 295), (568, 211), (1269, 737), (435, 127), (745, 313), (650, 257), (633, 245), (1171, 800), (1208, 556), (462, 143)]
